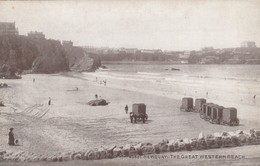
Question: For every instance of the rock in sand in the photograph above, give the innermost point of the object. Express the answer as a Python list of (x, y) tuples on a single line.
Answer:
[(100, 102)]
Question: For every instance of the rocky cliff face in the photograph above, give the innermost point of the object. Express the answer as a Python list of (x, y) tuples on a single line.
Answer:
[(79, 60), (53, 57), (43, 56), (40, 55), (17, 51)]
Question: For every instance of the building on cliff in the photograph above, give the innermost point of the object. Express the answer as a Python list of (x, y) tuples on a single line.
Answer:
[(185, 55), (36, 35), (8, 28), (128, 50), (67, 44), (248, 44)]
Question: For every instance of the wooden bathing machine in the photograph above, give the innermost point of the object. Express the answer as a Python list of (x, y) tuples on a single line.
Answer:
[(139, 108), (138, 113), (230, 117), (198, 104), (187, 104), (217, 114), (206, 111), (211, 112)]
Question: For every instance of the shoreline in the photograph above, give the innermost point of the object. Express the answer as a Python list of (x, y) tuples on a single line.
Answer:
[(165, 63)]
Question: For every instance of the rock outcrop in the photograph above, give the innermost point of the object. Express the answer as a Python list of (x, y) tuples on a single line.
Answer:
[(100, 102), (52, 57), (40, 55), (1, 104), (216, 140), (3, 85), (43, 56), (17, 51), (79, 60)]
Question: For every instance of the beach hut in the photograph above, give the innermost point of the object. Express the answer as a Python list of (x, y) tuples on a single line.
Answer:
[(198, 104), (187, 104), (217, 113), (230, 117), (138, 112), (203, 110), (139, 108), (209, 111), (257, 134), (206, 111)]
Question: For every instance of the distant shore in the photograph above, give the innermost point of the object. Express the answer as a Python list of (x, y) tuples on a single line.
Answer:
[(163, 62)]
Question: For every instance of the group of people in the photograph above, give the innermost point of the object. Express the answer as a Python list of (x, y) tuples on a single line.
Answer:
[(96, 96), (102, 81)]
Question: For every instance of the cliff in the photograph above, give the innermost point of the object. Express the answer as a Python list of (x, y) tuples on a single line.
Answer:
[(40, 55), (43, 56), (52, 57), (79, 60), (18, 52)]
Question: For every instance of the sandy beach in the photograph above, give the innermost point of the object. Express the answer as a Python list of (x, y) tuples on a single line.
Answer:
[(69, 124)]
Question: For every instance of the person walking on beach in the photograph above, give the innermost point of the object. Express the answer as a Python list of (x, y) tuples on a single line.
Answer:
[(254, 98), (49, 102), (11, 137), (126, 109), (33, 80), (96, 96)]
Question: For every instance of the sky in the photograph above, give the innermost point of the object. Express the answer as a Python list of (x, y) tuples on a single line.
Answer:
[(143, 24)]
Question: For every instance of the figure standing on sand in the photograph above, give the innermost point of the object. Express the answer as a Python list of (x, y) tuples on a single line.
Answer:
[(11, 137), (33, 80), (254, 98), (49, 102), (126, 109), (96, 96)]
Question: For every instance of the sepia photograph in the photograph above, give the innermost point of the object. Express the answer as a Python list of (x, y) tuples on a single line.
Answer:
[(131, 82)]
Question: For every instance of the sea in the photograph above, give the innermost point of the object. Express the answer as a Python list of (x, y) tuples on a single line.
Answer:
[(226, 83)]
